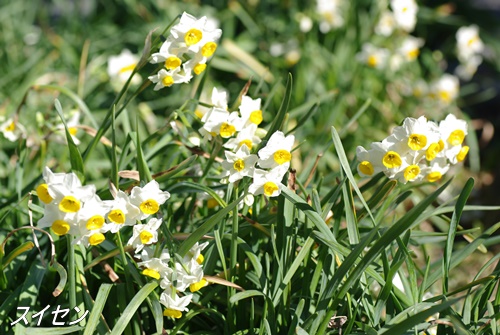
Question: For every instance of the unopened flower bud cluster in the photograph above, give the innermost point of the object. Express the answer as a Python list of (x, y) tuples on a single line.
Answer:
[(417, 150), (186, 51), (269, 165)]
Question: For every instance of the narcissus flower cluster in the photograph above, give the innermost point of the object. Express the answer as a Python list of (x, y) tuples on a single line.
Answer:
[(469, 51), (76, 209), (176, 276), (267, 166), (417, 150), (185, 52)]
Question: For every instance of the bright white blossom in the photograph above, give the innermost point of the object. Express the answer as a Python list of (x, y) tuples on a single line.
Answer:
[(240, 164), (445, 89), (144, 234), (330, 12), (12, 129), (386, 24), (246, 137), (468, 42), (405, 14), (374, 57), (277, 151), (268, 182), (122, 212), (417, 150), (120, 67), (148, 198), (410, 48)]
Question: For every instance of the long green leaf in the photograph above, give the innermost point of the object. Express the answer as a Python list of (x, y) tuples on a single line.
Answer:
[(280, 117), (134, 304), (95, 314), (206, 227), (455, 219), (74, 154)]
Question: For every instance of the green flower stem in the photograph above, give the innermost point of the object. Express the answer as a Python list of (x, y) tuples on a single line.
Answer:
[(71, 271)]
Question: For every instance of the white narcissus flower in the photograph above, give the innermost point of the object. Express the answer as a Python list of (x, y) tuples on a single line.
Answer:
[(155, 267), (145, 234), (268, 182), (453, 130), (59, 222), (193, 35), (195, 253), (374, 57), (174, 304), (438, 167), (405, 14), (220, 122), (468, 43), (91, 222), (250, 110), (330, 13), (122, 213), (195, 65), (148, 198), (410, 48), (240, 164), (469, 67), (190, 274), (49, 177), (417, 133), (277, 151), (168, 55), (72, 123), (445, 89), (370, 161), (12, 130), (121, 67), (69, 195), (246, 137), (166, 78), (386, 24)]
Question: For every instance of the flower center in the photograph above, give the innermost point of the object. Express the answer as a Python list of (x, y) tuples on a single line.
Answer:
[(270, 188), (196, 286), (173, 313), (116, 216), (11, 127), (95, 222), (172, 62), (200, 259), (413, 53), (392, 160), (456, 137), (199, 68), (417, 141), (43, 193), (372, 60), (192, 36), (248, 143), (208, 49), (151, 273), (167, 81), (145, 236), (282, 156), (127, 68), (256, 117), (463, 153), (149, 206), (411, 172), (69, 204), (432, 151), (366, 168), (227, 130), (445, 96), (73, 130), (239, 165), (434, 176), (60, 227), (96, 239)]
